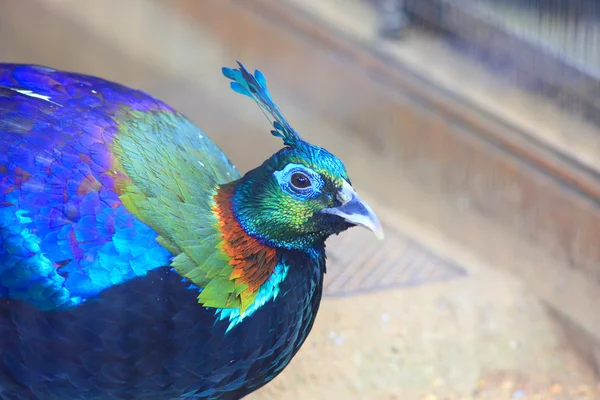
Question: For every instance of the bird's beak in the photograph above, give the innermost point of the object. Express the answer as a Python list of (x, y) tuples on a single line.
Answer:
[(355, 211)]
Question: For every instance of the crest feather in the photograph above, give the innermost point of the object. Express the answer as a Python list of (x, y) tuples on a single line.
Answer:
[(255, 87)]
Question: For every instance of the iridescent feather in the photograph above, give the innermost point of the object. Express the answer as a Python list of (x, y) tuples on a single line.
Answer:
[(72, 220)]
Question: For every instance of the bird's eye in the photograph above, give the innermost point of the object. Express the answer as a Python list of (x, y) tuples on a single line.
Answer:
[(300, 181)]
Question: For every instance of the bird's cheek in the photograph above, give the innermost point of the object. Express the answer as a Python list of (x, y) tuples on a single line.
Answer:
[(295, 216)]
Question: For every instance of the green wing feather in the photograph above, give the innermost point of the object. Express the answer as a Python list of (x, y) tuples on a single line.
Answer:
[(174, 170)]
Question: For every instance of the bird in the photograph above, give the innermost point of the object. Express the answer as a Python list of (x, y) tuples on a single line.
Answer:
[(136, 262)]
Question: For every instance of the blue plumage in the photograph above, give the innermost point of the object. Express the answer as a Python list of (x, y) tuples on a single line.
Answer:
[(55, 131)]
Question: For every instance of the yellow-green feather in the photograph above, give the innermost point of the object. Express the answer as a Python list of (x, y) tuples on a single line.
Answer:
[(174, 170)]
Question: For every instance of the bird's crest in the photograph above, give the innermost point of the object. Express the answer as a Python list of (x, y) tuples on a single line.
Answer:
[(255, 87)]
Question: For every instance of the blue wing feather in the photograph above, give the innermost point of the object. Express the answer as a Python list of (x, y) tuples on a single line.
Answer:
[(64, 234)]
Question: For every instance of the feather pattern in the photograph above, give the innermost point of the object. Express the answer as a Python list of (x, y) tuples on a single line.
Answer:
[(62, 223), (71, 209)]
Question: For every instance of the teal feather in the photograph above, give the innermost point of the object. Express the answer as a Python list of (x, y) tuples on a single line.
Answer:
[(255, 87)]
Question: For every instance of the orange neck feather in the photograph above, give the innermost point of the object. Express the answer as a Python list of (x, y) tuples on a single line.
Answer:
[(252, 261)]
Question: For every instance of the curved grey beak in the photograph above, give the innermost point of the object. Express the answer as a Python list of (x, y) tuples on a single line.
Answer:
[(356, 211)]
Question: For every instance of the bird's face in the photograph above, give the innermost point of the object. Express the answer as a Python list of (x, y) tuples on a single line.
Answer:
[(299, 197)]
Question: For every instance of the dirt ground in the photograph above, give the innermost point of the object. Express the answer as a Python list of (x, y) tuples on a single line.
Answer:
[(484, 336)]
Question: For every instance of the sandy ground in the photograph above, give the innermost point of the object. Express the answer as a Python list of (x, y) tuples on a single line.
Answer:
[(484, 336)]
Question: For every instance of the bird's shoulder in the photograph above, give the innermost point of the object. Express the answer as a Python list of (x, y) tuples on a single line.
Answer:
[(99, 183)]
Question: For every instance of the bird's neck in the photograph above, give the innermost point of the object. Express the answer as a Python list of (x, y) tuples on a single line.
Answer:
[(256, 262), (262, 271), (253, 261)]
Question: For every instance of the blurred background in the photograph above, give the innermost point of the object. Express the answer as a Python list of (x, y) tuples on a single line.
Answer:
[(471, 126)]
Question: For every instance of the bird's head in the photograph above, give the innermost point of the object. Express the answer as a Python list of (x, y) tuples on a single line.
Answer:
[(300, 195)]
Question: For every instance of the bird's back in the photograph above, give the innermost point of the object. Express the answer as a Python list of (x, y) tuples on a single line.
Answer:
[(63, 221)]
